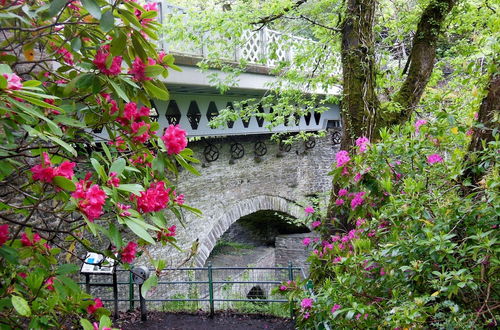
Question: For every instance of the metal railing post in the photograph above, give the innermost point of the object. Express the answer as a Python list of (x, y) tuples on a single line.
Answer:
[(210, 289), (290, 277), (130, 292)]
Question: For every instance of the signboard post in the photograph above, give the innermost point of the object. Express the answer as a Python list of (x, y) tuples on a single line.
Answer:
[(98, 264)]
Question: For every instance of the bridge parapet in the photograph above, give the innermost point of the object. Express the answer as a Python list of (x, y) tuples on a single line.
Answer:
[(194, 112), (263, 47)]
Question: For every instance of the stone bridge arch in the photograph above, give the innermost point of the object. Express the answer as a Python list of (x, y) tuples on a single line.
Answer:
[(227, 216)]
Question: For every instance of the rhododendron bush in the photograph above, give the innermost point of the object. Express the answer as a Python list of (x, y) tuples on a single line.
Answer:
[(83, 166), (412, 246)]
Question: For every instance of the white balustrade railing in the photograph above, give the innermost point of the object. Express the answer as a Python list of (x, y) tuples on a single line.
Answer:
[(263, 47)]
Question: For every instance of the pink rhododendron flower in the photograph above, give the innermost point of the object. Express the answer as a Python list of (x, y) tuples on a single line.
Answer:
[(92, 199), (357, 177), (342, 158), (114, 180), (178, 199), (306, 303), (337, 260), (306, 315), (342, 192), (26, 241), (155, 198), (339, 202), (128, 252), (66, 55), (123, 209), (100, 60), (165, 233), (419, 123), (13, 81), (4, 234), (283, 287), (382, 272), (309, 210), (49, 283), (138, 70), (151, 6), (306, 241), (357, 200), (136, 127), (91, 309), (362, 143), (336, 307), (65, 170), (174, 139), (316, 224), (360, 222), (434, 158)]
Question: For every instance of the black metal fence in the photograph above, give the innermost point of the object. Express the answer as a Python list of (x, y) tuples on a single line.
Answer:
[(208, 280)]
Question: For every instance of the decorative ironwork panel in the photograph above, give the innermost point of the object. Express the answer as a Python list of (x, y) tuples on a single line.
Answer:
[(260, 148), (310, 143), (336, 137), (211, 153), (237, 151), (285, 146)]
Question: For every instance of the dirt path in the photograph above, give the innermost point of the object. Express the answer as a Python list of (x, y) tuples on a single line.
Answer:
[(185, 321)]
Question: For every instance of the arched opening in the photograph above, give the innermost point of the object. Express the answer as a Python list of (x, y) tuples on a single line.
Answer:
[(252, 237)]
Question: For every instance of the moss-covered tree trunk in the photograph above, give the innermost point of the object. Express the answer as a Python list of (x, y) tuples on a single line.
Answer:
[(359, 104), (488, 118), (422, 58)]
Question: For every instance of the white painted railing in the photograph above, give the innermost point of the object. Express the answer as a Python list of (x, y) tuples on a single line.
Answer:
[(263, 47)]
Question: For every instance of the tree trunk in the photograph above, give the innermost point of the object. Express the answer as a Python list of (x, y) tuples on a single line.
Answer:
[(360, 103), (421, 59), (488, 117)]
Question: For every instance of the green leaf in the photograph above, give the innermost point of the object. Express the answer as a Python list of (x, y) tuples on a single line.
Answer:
[(64, 183), (186, 165), (119, 91), (131, 187), (76, 44), (86, 325), (52, 126), (85, 81), (154, 70), (155, 91), (148, 284), (107, 21), (98, 168), (56, 6), (92, 7), (139, 231), (115, 236), (31, 83), (21, 305), (118, 166), (105, 321), (63, 144), (118, 44), (3, 82), (67, 269)]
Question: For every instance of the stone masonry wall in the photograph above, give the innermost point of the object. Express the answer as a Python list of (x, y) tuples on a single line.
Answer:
[(229, 189)]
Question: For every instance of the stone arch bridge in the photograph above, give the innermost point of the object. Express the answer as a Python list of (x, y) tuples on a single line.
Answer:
[(243, 171)]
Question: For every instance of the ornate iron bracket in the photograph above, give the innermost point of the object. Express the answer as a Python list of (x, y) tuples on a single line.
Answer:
[(336, 137), (260, 148), (310, 143), (211, 153), (285, 147), (237, 150)]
